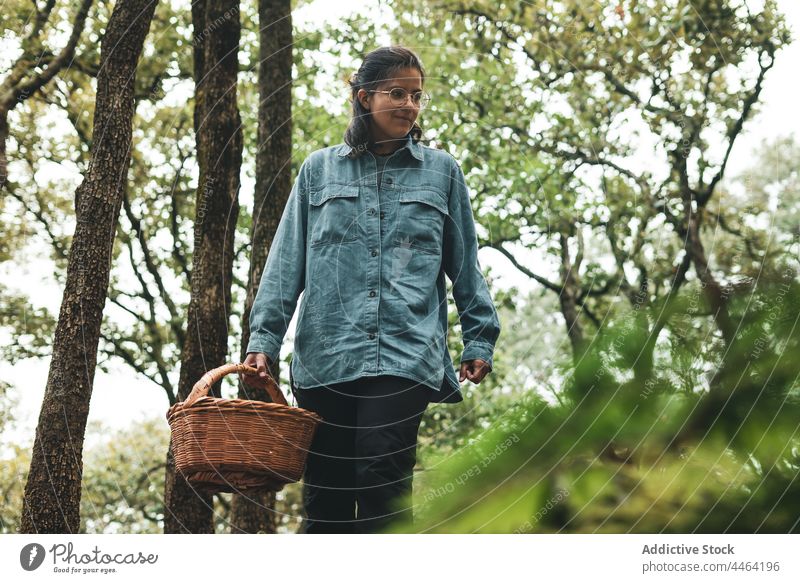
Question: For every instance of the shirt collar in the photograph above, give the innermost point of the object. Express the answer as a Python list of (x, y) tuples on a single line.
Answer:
[(413, 147)]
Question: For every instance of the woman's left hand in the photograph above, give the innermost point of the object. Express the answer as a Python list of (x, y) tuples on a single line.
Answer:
[(474, 370)]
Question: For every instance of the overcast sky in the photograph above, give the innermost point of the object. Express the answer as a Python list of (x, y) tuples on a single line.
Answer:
[(120, 399)]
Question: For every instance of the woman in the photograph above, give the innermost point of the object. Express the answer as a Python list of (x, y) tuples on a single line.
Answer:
[(370, 230)]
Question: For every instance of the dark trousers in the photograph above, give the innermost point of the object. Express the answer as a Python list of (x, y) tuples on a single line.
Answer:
[(359, 469)]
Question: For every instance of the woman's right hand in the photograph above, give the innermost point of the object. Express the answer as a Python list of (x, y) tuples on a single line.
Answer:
[(259, 361)]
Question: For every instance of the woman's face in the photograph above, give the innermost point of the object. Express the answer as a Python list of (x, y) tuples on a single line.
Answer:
[(390, 121)]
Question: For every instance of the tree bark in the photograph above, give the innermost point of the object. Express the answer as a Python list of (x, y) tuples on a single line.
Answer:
[(568, 300), (256, 513), (716, 296), (219, 155), (52, 496)]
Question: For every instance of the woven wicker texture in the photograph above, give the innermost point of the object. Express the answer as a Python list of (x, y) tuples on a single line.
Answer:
[(238, 445)]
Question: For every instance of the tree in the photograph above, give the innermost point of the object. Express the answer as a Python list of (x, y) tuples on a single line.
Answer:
[(143, 324), (218, 133), (23, 79), (596, 80), (256, 512), (52, 492)]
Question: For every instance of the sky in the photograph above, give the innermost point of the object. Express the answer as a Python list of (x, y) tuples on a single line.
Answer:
[(120, 398)]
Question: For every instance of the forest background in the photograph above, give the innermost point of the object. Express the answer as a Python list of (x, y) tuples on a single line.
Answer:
[(633, 168)]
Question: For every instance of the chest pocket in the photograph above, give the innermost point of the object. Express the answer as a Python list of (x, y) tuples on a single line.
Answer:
[(421, 216), (333, 214)]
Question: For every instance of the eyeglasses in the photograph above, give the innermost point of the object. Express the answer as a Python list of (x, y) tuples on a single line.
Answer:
[(398, 97)]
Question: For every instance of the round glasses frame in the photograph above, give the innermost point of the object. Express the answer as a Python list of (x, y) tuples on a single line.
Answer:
[(398, 96)]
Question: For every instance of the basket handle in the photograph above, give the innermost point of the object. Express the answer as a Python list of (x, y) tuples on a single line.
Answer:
[(202, 386)]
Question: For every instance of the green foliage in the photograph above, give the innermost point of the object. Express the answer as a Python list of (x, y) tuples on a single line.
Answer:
[(549, 105), (123, 480), (33, 327), (629, 456), (122, 485), (14, 465), (544, 105)]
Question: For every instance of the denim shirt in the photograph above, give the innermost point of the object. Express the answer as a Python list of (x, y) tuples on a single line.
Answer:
[(372, 262)]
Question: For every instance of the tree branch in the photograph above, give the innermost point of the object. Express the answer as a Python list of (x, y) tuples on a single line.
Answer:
[(152, 268), (545, 282), (23, 90), (736, 128)]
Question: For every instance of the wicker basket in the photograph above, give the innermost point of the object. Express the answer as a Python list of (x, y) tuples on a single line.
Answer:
[(237, 445)]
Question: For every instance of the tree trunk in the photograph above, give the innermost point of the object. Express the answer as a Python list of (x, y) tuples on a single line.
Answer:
[(3, 140), (219, 155), (643, 369), (568, 300), (51, 502), (717, 297), (256, 513)]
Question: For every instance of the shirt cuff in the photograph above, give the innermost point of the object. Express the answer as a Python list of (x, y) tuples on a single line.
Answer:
[(476, 349), (266, 343)]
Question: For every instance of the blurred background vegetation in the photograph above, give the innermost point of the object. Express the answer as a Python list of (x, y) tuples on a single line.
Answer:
[(646, 379)]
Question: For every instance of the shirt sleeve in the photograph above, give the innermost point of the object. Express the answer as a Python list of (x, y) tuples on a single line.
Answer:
[(480, 325), (283, 278)]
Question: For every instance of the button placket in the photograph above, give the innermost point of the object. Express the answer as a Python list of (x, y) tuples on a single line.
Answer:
[(387, 182), (372, 202)]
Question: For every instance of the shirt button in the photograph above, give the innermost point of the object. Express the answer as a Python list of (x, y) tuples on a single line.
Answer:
[(371, 336), (372, 211), (388, 181), (372, 293), (374, 253), (382, 214)]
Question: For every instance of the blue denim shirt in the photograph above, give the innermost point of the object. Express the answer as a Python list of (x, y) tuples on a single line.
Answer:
[(372, 264)]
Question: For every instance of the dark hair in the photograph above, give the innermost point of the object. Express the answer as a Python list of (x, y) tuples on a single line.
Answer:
[(378, 66)]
